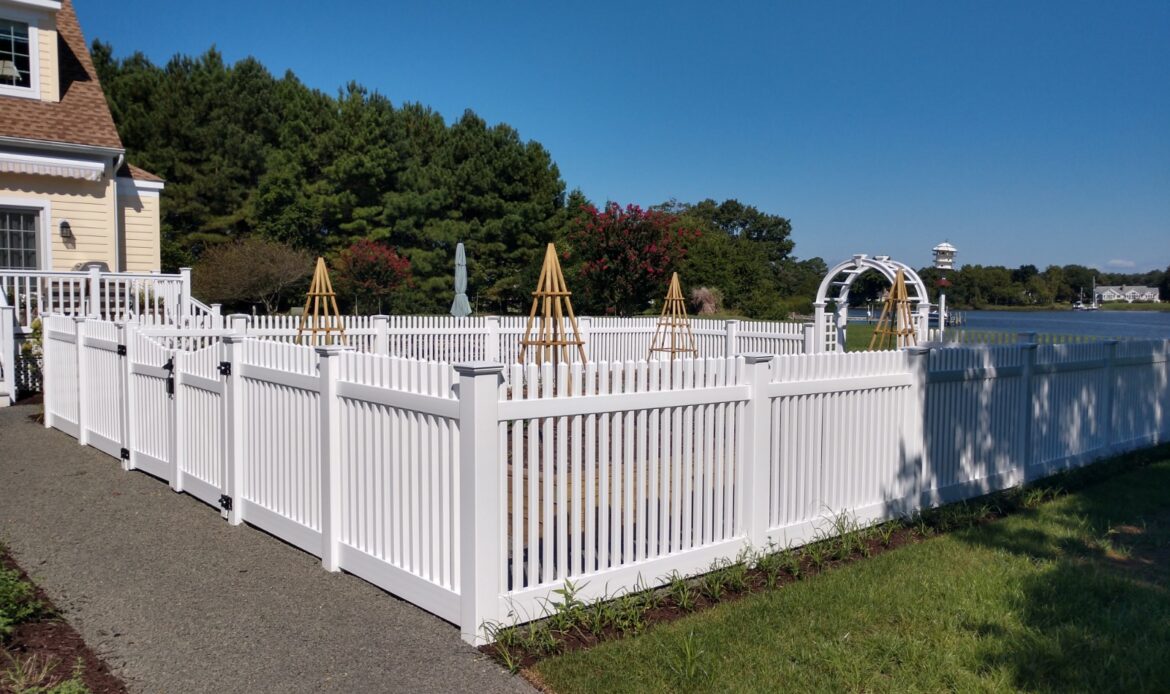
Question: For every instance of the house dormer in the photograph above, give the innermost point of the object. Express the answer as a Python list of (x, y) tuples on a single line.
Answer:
[(28, 49), (68, 197)]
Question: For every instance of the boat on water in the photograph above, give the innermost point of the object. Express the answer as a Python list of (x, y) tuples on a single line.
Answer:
[(1080, 305)]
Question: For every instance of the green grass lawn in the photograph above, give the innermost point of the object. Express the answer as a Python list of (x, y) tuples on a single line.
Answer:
[(1071, 596)]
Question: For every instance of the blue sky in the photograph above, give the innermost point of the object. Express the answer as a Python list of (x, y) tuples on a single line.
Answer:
[(1023, 132)]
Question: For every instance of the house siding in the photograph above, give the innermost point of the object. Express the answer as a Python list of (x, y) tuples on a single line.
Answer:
[(47, 48), (87, 206), (139, 219)]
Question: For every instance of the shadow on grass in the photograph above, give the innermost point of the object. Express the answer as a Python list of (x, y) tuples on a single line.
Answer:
[(1096, 617)]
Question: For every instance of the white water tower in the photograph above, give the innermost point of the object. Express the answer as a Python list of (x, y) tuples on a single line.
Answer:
[(944, 261)]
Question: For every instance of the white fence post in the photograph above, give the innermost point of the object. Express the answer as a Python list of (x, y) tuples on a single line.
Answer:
[(8, 355), (810, 338), (233, 427), (491, 348), (757, 451), (1107, 396), (95, 293), (915, 444), (1028, 363), (585, 325), (382, 335), (330, 457), (184, 293), (480, 500), (82, 383), (239, 323), (731, 335), (130, 461)]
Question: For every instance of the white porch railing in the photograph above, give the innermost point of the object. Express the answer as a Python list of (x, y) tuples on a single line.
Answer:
[(108, 295)]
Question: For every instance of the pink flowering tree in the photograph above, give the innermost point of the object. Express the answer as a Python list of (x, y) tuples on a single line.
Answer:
[(370, 272), (625, 256)]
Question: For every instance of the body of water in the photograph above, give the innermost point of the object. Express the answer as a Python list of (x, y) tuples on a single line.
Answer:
[(1124, 324)]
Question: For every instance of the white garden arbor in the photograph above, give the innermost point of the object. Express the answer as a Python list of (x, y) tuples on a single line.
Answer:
[(831, 336)]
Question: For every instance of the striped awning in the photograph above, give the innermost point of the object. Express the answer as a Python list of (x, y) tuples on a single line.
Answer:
[(61, 167)]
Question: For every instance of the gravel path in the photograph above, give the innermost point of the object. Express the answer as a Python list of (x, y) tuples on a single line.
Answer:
[(176, 600)]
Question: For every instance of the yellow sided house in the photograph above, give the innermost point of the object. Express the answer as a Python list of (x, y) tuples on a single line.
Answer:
[(68, 197), (79, 225)]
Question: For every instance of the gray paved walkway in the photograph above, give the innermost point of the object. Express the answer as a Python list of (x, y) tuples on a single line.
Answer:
[(176, 600)]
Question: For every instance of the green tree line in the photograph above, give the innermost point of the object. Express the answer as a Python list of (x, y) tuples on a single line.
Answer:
[(993, 286), (246, 154)]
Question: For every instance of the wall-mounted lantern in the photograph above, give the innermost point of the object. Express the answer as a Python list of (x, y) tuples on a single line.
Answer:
[(66, 230)]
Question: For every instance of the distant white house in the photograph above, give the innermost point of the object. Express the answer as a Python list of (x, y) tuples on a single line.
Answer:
[(1127, 293)]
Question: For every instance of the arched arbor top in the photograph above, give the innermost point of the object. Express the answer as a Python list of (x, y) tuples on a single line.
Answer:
[(859, 265), (848, 271)]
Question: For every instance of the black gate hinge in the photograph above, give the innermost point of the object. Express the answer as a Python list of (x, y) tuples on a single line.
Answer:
[(125, 454), (121, 350), (225, 502), (225, 368)]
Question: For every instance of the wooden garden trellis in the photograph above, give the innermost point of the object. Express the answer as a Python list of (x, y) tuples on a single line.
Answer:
[(674, 325), (325, 318), (552, 340), (895, 328)]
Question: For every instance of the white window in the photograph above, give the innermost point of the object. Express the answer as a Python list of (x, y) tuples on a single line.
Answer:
[(19, 56), (15, 54), (19, 234)]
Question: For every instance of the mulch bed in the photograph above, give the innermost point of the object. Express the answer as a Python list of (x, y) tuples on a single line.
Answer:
[(669, 610), (52, 639)]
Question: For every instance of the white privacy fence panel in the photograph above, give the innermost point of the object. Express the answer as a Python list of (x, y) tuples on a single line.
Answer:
[(100, 369), (62, 392), (199, 404), (843, 429), (1068, 402), (475, 496), (614, 466), (1141, 392), (399, 477), (280, 441), (973, 427)]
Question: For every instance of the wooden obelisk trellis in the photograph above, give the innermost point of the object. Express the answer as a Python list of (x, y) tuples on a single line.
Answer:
[(321, 318), (673, 335), (895, 328), (551, 305)]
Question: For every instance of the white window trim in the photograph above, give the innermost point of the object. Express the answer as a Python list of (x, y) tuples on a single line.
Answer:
[(45, 235), (33, 91)]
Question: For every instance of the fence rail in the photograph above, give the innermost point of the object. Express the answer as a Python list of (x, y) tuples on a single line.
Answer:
[(475, 496)]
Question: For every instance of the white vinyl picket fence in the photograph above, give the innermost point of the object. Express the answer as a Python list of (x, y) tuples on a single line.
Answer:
[(475, 496)]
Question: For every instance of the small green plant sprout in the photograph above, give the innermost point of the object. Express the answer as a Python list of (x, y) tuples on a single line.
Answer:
[(567, 611), (688, 663), (790, 560), (629, 616), (736, 576), (885, 533), (682, 593), (714, 582), (33, 674)]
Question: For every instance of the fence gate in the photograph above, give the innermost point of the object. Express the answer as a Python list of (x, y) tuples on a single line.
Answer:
[(102, 381), (199, 404), (60, 354), (150, 411)]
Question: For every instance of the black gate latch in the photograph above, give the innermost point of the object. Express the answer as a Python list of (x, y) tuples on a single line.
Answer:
[(225, 502)]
